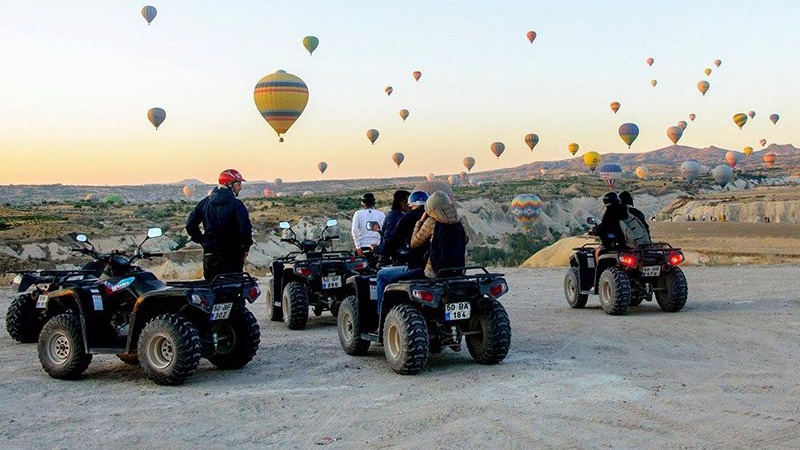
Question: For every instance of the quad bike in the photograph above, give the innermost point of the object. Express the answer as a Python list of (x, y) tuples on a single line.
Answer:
[(310, 278), (164, 327), (627, 277), (422, 316)]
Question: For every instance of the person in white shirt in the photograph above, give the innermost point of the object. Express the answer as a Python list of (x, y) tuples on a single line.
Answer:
[(364, 239)]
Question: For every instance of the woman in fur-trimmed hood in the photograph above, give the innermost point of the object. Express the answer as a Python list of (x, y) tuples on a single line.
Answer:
[(438, 208)]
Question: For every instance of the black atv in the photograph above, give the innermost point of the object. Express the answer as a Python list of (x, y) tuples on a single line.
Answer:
[(627, 277), (165, 328), (422, 316), (310, 278), (24, 320)]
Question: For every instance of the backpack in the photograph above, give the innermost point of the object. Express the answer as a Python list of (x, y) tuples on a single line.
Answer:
[(448, 246), (634, 230)]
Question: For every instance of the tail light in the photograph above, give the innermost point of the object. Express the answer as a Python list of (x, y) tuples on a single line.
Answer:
[(628, 261), (425, 296), (496, 290), (253, 293), (675, 258), (200, 300), (359, 264), (303, 271)]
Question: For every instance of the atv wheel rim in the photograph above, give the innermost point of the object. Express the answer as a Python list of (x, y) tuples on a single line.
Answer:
[(58, 348), (347, 329), (160, 351), (606, 292), (226, 339), (393, 341), (571, 288)]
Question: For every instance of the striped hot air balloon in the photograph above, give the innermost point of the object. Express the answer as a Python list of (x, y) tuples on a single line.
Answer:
[(372, 135), (469, 162), (690, 170), (404, 114), (740, 119), (497, 148), (310, 43), (610, 173), (628, 132), (526, 209), (149, 13), (322, 166), (280, 98), (156, 116), (531, 35), (398, 158), (531, 139)]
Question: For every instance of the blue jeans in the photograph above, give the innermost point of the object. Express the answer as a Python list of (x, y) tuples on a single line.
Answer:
[(389, 275)]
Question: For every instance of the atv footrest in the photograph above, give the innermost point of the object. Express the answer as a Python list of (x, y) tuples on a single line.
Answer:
[(372, 337)]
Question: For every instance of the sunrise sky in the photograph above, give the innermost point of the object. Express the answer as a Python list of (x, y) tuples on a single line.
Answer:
[(78, 77)]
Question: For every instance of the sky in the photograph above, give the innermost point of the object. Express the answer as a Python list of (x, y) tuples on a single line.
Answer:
[(78, 77)]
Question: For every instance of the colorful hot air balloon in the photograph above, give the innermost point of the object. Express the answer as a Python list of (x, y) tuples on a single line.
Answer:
[(610, 173), (740, 119), (429, 187), (674, 134), (691, 170), (469, 162), (156, 116), (531, 139), (769, 159), (682, 124), (591, 160), (774, 118), (628, 132), (531, 35), (717, 62), (278, 181), (615, 106), (763, 142), (310, 43), (707, 71), (388, 90), (417, 74), (573, 148), (149, 13), (398, 158), (372, 135), (732, 158), (722, 174), (526, 209), (188, 191), (323, 166), (497, 148), (268, 192), (692, 116), (642, 172), (751, 114), (280, 98), (653, 83), (748, 151), (404, 114), (703, 86), (650, 61)]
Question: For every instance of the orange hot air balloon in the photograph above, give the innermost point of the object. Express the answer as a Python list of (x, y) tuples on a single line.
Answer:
[(717, 62), (388, 90), (372, 135), (615, 107), (674, 134), (404, 114), (531, 35), (691, 117), (469, 162), (703, 86), (642, 172), (573, 148), (323, 166), (398, 158), (740, 119), (732, 158), (280, 98), (707, 71), (748, 150), (591, 159), (417, 74), (653, 83), (498, 148), (769, 159), (188, 191), (650, 61)]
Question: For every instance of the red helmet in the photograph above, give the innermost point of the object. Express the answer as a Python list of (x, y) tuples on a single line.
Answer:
[(230, 176)]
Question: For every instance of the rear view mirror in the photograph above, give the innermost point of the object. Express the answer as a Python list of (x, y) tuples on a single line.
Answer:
[(373, 226), (591, 220), (331, 223), (81, 238), (284, 225), (154, 232)]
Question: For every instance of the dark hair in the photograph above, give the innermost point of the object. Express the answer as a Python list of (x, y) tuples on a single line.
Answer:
[(368, 199), (626, 198), (400, 196)]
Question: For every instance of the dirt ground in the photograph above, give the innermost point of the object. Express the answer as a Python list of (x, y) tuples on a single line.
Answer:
[(722, 373)]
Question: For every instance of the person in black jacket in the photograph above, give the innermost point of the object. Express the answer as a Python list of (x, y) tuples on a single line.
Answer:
[(399, 208), (227, 233), (609, 230), (626, 199)]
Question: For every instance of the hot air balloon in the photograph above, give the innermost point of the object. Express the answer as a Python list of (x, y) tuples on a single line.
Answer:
[(149, 13), (642, 172), (497, 148), (323, 166), (717, 62), (417, 74), (280, 98), (388, 90), (615, 107), (156, 116), (398, 158), (751, 114), (430, 176), (469, 162), (707, 71), (188, 191), (591, 160), (653, 83), (531, 35), (526, 209), (310, 43), (774, 118), (748, 151), (769, 159), (691, 170), (703, 86), (628, 132), (278, 181), (429, 187), (462, 175), (674, 134), (732, 158), (722, 174), (453, 180), (763, 142), (531, 139), (682, 124), (740, 119), (692, 116), (650, 61), (610, 173), (404, 114), (372, 135), (268, 192), (573, 148)]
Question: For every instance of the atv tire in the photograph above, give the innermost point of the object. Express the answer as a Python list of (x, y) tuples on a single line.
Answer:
[(61, 349), (129, 358), (405, 340), (572, 289), (348, 323), (614, 288), (295, 305), (169, 349), (672, 290), (274, 313), (237, 340), (491, 345), (23, 320)]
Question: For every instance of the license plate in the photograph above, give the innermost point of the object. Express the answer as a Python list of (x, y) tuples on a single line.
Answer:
[(41, 302), (221, 311), (332, 282), (651, 271), (456, 311)]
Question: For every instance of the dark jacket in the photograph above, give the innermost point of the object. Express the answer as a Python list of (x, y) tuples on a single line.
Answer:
[(388, 228), (226, 223), (609, 230), (401, 238)]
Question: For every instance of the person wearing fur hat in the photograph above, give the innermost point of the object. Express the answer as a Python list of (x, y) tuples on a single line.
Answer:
[(441, 229)]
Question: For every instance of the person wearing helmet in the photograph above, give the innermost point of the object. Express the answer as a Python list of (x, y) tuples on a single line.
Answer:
[(609, 230), (364, 239), (227, 234)]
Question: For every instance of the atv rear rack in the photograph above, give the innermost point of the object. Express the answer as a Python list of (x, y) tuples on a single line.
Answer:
[(223, 279)]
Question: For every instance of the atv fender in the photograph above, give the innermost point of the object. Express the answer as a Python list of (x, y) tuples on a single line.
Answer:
[(151, 304), (65, 300), (277, 279), (359, 286), (584, 261), (605, 261)]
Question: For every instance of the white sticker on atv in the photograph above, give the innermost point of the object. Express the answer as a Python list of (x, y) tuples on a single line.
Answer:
[(373, 292), (17, 279), (221, 311), (97, 299), (41, 302)]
